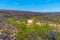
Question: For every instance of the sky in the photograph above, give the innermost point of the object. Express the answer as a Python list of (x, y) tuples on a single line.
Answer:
[(31, 5)]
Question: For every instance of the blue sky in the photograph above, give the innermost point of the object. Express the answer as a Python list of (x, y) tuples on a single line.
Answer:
[(31, 5)]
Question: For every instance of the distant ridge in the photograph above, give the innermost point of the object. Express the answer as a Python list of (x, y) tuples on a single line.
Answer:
[(19, 13), (10, 13)]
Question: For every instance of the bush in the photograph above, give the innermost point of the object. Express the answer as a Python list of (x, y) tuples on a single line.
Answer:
[(33, 32)]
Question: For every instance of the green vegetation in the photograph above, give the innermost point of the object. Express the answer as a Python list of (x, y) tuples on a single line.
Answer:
[(21, 25), (12, 21), (35, 31)]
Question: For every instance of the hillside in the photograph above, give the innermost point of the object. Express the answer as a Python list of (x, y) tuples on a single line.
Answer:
[(10, 13), (25, 25), (49, 16)]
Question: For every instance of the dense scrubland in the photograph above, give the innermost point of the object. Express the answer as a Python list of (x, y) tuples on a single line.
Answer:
[(26, 26), (37, 30)]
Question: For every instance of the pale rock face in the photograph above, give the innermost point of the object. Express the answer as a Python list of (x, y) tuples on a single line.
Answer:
[(30, 21), (59, 25), (38, 23), (17, 21), (52, 24), (0, 33), (1, 30)]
